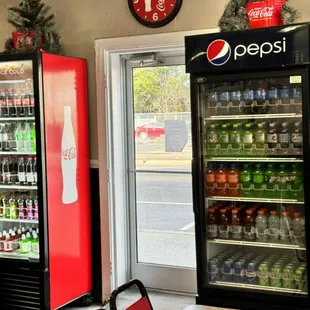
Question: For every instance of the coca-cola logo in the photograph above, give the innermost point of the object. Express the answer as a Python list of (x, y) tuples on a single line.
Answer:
[(261, 12), (161, 5), (69, 154), (8, 70)]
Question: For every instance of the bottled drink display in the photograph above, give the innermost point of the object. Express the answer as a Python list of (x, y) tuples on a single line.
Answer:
[(255, 224), (276, 137), (268, 181)]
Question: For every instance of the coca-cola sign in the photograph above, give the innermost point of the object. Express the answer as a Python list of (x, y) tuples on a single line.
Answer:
[(69, 154), (264, 13)]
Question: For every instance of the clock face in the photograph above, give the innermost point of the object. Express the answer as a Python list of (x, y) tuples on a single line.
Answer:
[(154, 13)]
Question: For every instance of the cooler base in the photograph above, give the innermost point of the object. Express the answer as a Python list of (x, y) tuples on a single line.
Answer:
[(24, 289)]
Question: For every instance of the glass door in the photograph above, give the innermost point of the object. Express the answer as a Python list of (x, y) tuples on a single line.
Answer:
[(252, 150), (19, 210)]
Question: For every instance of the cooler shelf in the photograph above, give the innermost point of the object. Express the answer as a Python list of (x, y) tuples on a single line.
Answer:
[(19, 221), (17, 255), (256, 244), (17, 153), (253, 159), (266, 200), (253, 116), (7, 119), (18, 187), (259, 287)]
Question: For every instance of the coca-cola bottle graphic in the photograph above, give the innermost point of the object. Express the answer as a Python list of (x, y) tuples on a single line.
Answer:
[(68, 160), (148, 5)]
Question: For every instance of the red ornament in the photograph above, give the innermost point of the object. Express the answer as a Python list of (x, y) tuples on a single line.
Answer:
[(265, 13), (154, 13)]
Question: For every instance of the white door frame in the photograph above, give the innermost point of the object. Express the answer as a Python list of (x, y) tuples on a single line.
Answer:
[(114, 244)]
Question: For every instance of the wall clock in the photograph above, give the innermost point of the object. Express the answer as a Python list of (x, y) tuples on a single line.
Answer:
[(154, 13)]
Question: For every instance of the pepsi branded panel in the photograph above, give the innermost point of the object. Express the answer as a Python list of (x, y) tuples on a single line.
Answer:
[(250, 49)]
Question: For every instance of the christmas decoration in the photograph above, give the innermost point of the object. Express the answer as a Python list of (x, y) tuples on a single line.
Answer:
[(245, 14), (34, 29)]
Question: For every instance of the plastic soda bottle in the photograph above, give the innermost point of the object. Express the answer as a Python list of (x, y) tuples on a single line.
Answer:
[(285, 228), (221, 180), (271, 180), (260, 137), (298, 227), (297, 137), (212, 139), (19, 138), (35, 244), (276, 275), (296, 183), (233, 189), (284, 138), (211, 224), (247, 138), (235, 138), (33, 138), (272, 137), (21, 171), (263, 273), (224, 229), (283, 182), (249, 226), (273, 227), (210, 180), (224, 137), (236, 227), (258, 182), (261, 227), (27, 138), (288, 275), (246, 179)]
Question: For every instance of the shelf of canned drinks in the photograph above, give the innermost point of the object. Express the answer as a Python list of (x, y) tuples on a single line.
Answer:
[(254, 159), (257, 244), (252, 116), (19, 221), (243, 199), (259, 287)]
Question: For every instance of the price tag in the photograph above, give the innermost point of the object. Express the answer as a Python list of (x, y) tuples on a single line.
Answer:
[(296, 79)]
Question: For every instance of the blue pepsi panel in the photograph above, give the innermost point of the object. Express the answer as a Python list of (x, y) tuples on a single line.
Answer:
[(271, 47)]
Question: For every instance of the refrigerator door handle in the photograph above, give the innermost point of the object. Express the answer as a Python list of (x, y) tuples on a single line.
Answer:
[(195, 187)]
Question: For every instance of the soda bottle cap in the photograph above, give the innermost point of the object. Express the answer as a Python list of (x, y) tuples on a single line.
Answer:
[(297, 214), (211, 210), (235, 211), (248, 125), (21, 158), (260, 125), (245, 166), (28, 235), (233, 165), (285, 213), (272, 124), (212, 126), (221, 165), (284, 124), (223, 210), (261, 212), (23, 237), (273, 212), (257, 166), (236, 125), (270, 165), (294, 166), (224, 125), (34, 235)]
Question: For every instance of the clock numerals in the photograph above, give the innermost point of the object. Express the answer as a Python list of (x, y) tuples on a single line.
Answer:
[(155, 17), (136, 1)]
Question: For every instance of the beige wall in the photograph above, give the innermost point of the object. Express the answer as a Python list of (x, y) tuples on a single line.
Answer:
[(80, 22)]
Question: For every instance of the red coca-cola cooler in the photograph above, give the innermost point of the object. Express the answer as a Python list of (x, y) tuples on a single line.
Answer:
[(45, 230)]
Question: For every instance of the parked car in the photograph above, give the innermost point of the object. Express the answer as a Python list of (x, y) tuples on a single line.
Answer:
[(150, 131)]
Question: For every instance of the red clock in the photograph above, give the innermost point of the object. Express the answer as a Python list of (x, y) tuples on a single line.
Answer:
[(154, 13)]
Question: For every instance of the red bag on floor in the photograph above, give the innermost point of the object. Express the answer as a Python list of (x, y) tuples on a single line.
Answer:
[(141, 304), (265, 13)]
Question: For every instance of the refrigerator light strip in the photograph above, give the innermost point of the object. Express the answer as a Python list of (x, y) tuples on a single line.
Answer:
[(253, 116), (18, 119), (18, 187), (19, 221), (257, 244), (256, 159), (259, 287), (255, 200), (12, 81)]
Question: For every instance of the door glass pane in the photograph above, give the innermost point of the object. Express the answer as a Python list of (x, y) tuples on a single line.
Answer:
[(19, 210), (164, 211), (252, 146)]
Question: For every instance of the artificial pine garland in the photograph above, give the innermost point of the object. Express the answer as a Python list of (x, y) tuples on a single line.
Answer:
[(33, 16)]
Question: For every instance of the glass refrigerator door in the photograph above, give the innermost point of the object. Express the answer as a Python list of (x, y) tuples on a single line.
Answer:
[(18, 169), (252, 133)]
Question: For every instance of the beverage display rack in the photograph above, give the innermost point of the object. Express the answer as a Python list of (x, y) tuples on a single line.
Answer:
[(244, 199), (254, 159), (252, 116)]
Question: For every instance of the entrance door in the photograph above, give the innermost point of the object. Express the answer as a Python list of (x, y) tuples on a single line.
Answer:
[(159, 172)]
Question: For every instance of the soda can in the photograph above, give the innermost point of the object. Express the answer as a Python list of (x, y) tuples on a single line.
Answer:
[(300, 277), (213, 270), (239, 271), (288, 275), (276, 275), (227, 270), (263, 273), (251, 273)]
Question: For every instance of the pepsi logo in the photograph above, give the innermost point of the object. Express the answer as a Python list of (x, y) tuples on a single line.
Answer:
[(218, 52)]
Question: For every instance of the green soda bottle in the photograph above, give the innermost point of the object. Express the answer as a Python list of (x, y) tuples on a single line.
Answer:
[(25, 244), (246, 179), (248, 139), (283, 182), (296, 183), (224, 137), (33, 138), (235, 139), (271, 179), (35, 244), (260, 139), (212, 139), (258, 182)]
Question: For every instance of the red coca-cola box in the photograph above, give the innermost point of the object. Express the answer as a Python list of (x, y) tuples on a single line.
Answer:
[(265, 13)]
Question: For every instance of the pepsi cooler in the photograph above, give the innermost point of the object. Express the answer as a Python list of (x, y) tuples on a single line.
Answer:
[(250, 137)]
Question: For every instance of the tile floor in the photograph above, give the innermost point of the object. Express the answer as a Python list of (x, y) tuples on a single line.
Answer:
[(160, 301)]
